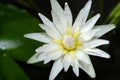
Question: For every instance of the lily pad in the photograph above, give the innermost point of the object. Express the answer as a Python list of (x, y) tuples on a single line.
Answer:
[(14, 23), (10, 70)]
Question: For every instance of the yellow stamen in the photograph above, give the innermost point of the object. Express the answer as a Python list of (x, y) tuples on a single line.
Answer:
[(68, 30), (58, 41), (65, 51), (78, 43), (76, 34)]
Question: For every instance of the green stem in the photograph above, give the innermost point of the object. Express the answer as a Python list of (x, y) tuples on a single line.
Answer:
[(115, 13), (115, 19)]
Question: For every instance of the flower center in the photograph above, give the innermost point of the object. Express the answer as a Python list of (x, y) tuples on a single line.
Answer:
[(69, 42)]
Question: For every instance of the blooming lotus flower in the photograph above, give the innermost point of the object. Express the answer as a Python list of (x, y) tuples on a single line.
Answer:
[(68, 43)]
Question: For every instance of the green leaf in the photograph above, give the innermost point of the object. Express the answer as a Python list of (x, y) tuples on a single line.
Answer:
[(14, 23), (1, 72), (11, 70), (114, 16)]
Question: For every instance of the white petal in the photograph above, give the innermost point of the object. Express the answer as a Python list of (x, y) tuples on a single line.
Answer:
[(67, 61), (68, 14), (61, 28), (76, 67), (56, 55), (57, 67), (48, 59), (51, 30), (59, 11), (95, 43), (53, 56), (82, 16), (88, 68), (45, 20), (49, 27), (48, 48), (43, 26), (36, 58), (104, 29), (96, 52), (86, 10), (53, 33), (82, 57), (88, 35), (42, 37), (90, 23)]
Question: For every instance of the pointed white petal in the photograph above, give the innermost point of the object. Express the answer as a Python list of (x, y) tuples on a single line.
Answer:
[(104, 29), (47, 59), (95, 43), (88, 68), (61, 28), (76, 67), (57, 67), (82, 57), (45, 20), (42, 37), (86, 10), (68, 14), (48, 48), (52, 32), (90, 23), (78, 22), (36, 58), (96, 52), (49, 27), (82, 16), (53, 56), (42, 48), (56, 55), (59, 11), (67, 61), (88, 35), (43, 26)]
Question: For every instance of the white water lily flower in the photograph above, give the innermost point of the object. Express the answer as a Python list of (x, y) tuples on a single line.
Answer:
[(68, 43)]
